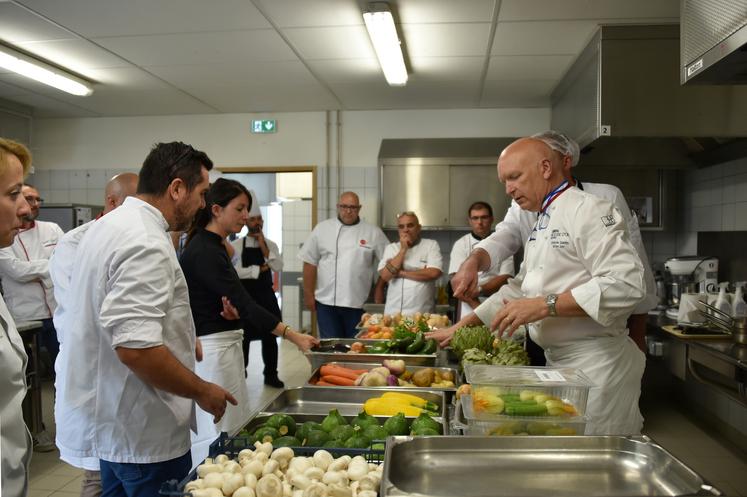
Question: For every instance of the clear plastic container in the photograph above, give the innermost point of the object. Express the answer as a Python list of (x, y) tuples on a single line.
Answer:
[(468, 424), (511, 391)]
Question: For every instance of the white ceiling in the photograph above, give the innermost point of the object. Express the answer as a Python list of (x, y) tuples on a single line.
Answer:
[(157, 57)]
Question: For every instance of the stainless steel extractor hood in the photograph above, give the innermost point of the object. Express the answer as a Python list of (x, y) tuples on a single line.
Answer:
[(623, 102), (714, 42)]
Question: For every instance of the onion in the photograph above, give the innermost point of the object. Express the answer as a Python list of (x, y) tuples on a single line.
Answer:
[(392, 381)]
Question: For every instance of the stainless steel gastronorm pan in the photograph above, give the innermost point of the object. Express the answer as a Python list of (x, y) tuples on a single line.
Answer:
[(319, 358), (535, 467), (370, 365), (347, 400)]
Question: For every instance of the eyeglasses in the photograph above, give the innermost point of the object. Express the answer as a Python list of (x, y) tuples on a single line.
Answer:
[(34, 200), (347, 207)]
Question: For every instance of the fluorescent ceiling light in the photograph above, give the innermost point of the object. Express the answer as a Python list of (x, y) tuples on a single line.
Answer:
[(383, 33), (43, 73)]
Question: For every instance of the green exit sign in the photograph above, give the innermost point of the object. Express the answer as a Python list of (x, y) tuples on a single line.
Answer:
[(264, 126)]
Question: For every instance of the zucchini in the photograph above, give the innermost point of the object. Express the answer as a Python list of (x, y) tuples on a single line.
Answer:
[(517, 409)]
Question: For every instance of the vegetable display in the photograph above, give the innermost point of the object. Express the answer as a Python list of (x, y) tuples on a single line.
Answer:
[(495, 400), (499, 352), (384, 325), (264, 472), (360, 431), (472, 337), (391, 373), (403, 341)]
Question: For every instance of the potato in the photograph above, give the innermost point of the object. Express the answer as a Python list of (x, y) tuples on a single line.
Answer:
[(423, 377)]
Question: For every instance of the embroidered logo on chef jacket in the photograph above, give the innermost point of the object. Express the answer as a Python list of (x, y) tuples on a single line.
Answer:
[(362, 244), (559, 239), (608, 220)]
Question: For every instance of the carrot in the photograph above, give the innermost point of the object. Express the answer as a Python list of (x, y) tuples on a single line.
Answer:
[(332, 370), (338, 380), (323, 383)]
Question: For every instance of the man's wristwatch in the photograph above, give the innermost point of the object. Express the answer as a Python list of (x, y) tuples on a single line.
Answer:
[(550, 300)]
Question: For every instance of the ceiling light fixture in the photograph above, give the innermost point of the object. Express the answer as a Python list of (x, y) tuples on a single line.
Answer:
[(42, 72), (383, 34)]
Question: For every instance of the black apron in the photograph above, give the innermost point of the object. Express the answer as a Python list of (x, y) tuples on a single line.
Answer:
[(261, 288)]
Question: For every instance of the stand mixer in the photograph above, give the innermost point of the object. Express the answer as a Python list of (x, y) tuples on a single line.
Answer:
[(689, 274)]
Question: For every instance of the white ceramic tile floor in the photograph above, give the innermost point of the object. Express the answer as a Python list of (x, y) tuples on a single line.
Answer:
[(720, 462)]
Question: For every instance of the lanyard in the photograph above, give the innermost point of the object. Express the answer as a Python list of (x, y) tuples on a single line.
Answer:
[(543, 219)]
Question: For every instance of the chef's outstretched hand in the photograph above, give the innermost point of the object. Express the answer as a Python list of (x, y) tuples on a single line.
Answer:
[(464, 281), (229, 312), (303, 341), (442, 335), (213, 399), (516, 313)]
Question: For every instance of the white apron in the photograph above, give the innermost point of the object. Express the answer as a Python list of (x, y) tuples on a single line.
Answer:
[(615, 364), (223, 364)]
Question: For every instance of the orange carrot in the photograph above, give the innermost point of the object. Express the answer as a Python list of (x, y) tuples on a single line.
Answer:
[(333, 370), (338, 380), (323, 383)]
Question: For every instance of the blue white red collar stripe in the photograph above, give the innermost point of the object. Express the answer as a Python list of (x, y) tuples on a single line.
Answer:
[(550, 197)]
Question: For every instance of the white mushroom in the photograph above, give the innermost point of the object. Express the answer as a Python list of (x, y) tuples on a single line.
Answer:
[(300, 464), (204, 469), (316, 490), (270, 467), (370, 482), (367, 493), (265, 447), (244, 492), (335, 478), (322, 459), (232, 482), (250, 480), (357, 469), (339, 491), (287, 490), (193, 485), (245, 453), (314, 473), (261, 456), (213, 480), (269, 486), (283, 455), (207, 492), (253, 467), (339, 464), (221, 458), (300, 481), (231, 467)]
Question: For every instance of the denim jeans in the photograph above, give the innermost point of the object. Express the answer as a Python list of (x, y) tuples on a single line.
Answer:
[(141, 480), (337, 322)]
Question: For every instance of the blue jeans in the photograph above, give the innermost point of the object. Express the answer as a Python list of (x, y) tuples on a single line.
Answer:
[(337, 322), (141, 480)]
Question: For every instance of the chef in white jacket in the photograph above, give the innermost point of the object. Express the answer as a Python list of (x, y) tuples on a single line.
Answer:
[(411, 267), (15, 440), (339, 264), (512, 233), (580, 279)]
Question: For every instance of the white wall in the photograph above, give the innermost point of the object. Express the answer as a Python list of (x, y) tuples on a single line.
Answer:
[(71, 153)]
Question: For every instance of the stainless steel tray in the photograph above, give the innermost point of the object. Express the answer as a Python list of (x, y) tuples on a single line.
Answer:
[(535, 467), (370, 365), (318, 358), (347, 400), (261, 418)]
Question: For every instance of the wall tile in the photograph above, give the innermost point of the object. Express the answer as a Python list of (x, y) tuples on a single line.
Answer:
[(664, 242), (740, 216), (58, 197), (321, 177), (727, 217), (740, 187), (41, 179), (78, 179), (96, 178), (353, 178), (687, 243), (94, 197), (59, 179), (79, 196), (372, 177), (738, 166)]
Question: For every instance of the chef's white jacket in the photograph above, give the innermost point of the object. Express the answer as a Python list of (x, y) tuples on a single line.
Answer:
[(461, 250), (273, 259), (15, 440), (24, 269), (129, 292), (512, 233), (407, 296), (61, 266), (345, 258), (581, 244)]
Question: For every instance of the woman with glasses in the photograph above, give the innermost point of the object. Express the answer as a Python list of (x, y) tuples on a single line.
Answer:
[(211, 279), (15, 440)]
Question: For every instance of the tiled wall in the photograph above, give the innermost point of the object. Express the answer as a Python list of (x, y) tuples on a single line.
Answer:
[(296, 228), (708, 199), (76, 186)]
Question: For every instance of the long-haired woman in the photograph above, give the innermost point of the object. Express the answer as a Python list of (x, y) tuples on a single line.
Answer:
[(211, 279)]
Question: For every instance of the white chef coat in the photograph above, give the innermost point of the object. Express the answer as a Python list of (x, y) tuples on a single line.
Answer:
[(24, 271), (582, 244), (61, 266), (15, 440), (273, 259), (345, 257), (130, 292), (407, 296), (512, 233), (459, 253)]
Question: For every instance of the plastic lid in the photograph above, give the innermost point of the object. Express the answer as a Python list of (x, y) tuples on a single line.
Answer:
[(526, 376)]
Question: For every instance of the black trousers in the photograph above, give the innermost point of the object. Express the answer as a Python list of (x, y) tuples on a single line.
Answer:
[(266, 298)]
